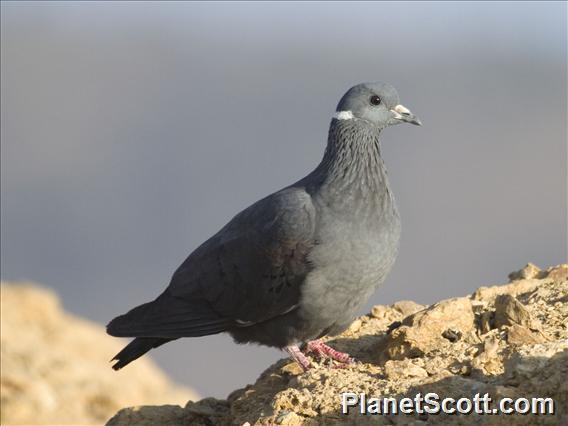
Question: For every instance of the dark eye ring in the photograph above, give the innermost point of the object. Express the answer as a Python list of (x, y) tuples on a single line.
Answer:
[(375, 100)]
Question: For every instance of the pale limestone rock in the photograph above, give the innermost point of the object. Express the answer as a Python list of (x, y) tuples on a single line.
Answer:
[(530, 271), (289, 419), (55, 366), (486, 321), (518, 335), (355, 326), (515, 288), (475, 356), (381, 312), (164, 415), (424, 331), (489, 361), (509, 311), (558, 273), (407, 307), (396, 370), (523, 364)]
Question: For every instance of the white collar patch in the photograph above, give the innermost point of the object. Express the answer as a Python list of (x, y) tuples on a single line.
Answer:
[(344, 115)]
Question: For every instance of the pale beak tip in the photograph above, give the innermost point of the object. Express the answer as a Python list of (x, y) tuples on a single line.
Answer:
[(403, 114)]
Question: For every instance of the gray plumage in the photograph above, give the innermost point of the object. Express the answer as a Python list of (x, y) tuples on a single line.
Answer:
[(298, 264)]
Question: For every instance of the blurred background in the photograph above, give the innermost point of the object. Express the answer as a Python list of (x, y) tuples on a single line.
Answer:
[(131, 132)]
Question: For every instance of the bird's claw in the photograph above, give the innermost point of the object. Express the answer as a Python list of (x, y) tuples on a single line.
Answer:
[(324, 351)]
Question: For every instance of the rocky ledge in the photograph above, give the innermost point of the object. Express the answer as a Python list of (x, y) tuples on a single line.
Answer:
[(508, 341)]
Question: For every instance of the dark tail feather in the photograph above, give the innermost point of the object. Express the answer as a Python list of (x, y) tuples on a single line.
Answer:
[(169, 317), (116, 326), (136, 349)]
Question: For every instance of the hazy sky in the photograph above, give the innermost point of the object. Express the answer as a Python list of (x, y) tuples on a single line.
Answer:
[(131, 132)]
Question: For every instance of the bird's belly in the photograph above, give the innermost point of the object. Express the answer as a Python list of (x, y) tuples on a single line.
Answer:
[(348, 272)]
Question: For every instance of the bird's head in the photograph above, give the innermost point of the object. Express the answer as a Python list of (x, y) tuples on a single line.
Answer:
[(377, 103)]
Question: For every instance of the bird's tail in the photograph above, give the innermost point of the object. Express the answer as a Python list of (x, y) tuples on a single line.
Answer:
[(136, 349), (169, 317), (155, 323)]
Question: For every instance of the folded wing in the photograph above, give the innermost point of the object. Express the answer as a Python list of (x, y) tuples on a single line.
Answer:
[(250, 271)]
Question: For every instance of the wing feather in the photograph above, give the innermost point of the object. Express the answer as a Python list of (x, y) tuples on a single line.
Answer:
[(253, 269), (250, 271)]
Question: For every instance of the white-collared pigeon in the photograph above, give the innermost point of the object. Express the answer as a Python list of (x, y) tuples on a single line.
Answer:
[(296, 265)]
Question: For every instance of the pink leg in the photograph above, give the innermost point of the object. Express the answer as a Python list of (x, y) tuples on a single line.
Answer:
[(297, 355), (322, 350)]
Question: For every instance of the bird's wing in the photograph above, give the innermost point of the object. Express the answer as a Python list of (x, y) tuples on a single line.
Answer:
[(250, 271), (253, 269)]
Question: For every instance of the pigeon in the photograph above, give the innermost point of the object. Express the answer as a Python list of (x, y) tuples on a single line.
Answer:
[(298, 264)]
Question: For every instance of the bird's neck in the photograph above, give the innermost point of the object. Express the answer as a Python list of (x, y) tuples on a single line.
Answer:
[(352, 170)]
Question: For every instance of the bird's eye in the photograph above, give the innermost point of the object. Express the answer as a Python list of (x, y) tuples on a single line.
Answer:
[(375, 100)]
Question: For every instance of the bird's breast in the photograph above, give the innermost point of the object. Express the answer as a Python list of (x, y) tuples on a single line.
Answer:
[(352, 258)]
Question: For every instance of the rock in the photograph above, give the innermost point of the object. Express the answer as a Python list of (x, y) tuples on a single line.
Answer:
[(55, 366), (424, 331), (290, 419), (488, 361), (381, 311), (355, 326), (208, 407), (166, 415), (454, 348), (486, 321), (528, 272), (518, 335), (452, 335), (514, 289), (558, 273), (292, 368), (396, 370), (509, 311), (407, 307), (525, 362)]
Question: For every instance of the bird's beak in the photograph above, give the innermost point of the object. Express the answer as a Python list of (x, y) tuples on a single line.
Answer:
[(403, 114)]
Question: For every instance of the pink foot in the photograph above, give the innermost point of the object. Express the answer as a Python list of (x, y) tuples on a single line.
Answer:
[(325, 351), (297, 355)]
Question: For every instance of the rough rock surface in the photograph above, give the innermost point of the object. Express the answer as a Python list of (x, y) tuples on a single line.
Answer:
[(55, 366), (508, 341)]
